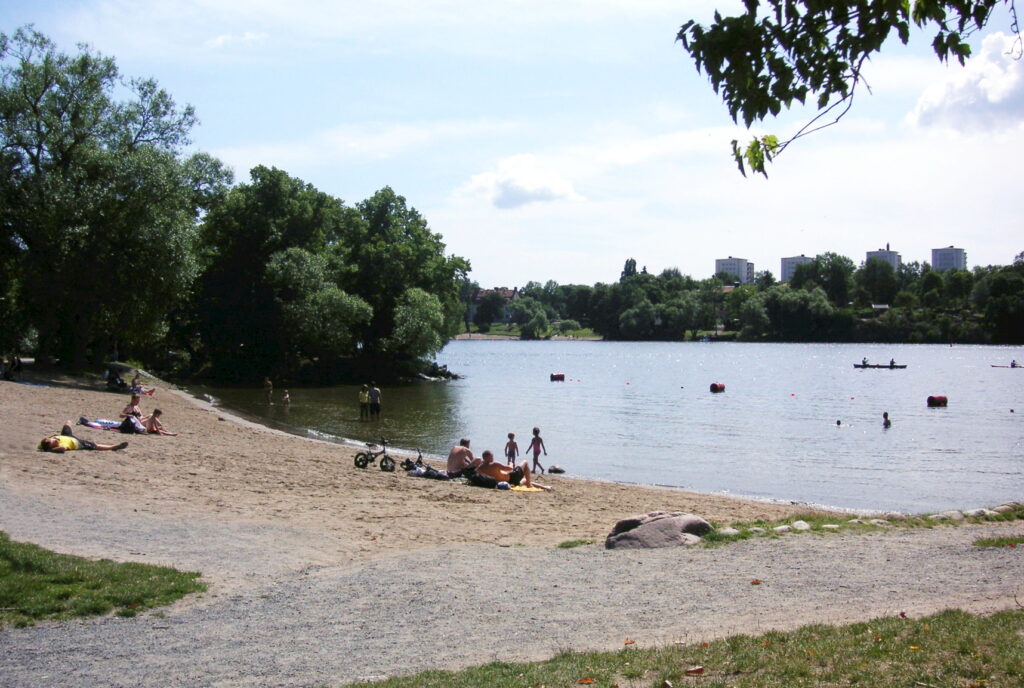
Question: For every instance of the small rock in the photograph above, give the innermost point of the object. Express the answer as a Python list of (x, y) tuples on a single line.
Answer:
[(830, 526), (782, 529), (801, 525), (757, 530), (728, 531), (855, 520), (976, 513), (894, 516), (952, 515), (1006, 508), (880, 522)]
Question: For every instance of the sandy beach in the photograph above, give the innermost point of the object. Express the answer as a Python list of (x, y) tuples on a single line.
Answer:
[(297, 544), (225, 468)]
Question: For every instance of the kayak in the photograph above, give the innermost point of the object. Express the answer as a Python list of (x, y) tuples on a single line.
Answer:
[(878, 365), (1002, 366)]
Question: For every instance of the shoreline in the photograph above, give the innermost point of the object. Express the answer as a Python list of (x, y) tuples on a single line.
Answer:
[(223, 467), (438, 461)]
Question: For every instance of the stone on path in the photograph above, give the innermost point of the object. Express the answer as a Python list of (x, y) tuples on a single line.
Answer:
[(951, 515), (657, 529), (801, 525)]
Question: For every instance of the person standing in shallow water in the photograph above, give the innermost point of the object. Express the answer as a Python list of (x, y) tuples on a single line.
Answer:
[(364, 402), (886, 423), (374, 401)]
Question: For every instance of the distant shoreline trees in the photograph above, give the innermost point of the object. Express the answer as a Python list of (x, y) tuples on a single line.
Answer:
[(828, 300)]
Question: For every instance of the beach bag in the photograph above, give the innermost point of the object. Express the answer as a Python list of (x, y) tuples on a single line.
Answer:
[(132, 426)]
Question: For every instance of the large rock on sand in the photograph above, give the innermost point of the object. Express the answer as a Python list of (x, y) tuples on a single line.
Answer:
[(657, 529)]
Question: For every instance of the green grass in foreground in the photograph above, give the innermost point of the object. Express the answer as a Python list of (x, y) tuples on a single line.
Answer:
[(37, 584), (951, 649), (999, 542), (823, 524)]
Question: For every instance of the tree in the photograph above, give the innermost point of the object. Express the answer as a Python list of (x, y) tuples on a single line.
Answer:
[(266, 252), (781, 51), (386, 248), (490, 310), (628, 270), (764, 279), (94, 192), (878, 280), (537, 327), (419, 324)]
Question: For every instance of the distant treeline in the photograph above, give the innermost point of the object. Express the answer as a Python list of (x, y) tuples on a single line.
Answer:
[(828, 300), (112, 238)]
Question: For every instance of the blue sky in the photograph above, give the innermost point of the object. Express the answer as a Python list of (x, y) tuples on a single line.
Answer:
[(552, 141)]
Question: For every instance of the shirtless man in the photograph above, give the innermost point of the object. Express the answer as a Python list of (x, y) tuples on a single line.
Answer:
[(66, 441), (460, 458), (513, 476)]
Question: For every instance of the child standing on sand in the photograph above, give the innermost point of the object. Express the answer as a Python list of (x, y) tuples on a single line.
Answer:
[(511, 449), (536, 446)]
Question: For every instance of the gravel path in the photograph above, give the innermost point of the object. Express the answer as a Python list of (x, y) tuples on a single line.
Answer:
[(282, 611)]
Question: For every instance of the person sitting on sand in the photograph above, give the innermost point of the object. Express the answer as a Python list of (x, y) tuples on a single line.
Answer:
[(460, 458), (513, 476), (66, 441), (154, 426), (136, 387), (132, 408)]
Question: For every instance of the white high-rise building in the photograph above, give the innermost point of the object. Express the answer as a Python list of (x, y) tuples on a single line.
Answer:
[(949, 259), (789, 266), (890, 257), (740, 268)]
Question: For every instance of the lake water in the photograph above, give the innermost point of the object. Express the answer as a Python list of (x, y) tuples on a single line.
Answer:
[(643, 413)]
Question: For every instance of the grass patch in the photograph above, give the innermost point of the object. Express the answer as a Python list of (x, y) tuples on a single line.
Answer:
[(825, 524), (38, 584), (569, 544), (952, 648), (999, 542)]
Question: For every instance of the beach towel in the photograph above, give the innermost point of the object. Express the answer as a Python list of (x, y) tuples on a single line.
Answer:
[(99, 423), (524, 488)]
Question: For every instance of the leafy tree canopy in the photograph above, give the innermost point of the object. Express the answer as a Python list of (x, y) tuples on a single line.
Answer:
[(95, 193), (783, 51)]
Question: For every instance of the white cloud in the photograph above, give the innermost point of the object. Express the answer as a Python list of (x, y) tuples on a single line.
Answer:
[(988, 93), (247, 38), (521, 180), (353, 144)]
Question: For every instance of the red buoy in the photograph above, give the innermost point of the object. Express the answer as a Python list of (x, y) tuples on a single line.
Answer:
[(936, 402), (717, 387), (558, 377)]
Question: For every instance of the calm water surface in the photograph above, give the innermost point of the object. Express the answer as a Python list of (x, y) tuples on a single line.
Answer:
[(642, 412)]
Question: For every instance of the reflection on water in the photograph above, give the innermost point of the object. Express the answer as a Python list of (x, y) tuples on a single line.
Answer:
[(642, 412)]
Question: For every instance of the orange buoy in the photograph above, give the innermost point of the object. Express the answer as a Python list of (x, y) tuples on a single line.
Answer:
[(558, 377), (937, 402), (717, 387)]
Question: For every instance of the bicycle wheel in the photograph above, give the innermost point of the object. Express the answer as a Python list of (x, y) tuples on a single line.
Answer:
[(387, 464), (361, 460)]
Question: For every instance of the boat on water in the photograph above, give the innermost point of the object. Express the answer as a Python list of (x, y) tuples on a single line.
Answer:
[(888, 366), (1007, 366)]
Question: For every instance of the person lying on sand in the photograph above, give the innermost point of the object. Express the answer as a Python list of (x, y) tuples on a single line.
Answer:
[(66, 441), (513, 476)]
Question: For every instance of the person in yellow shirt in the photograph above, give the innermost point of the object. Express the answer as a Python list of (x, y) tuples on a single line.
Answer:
[(364, 403), (66, 441)]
